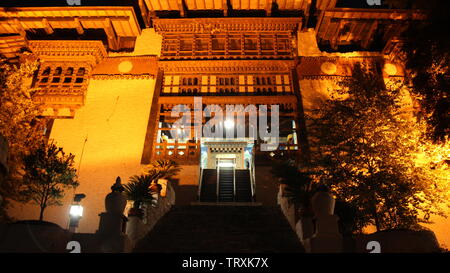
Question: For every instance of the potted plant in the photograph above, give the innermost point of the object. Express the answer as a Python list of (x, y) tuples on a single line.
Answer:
[(138, 191), (165, 170), (297, 189)]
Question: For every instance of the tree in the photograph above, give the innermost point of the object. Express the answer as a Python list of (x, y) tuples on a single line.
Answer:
[(366, 149), (48, 172), (298, 184), (427, 48), (138, 188), (165, 168), (18, 123)]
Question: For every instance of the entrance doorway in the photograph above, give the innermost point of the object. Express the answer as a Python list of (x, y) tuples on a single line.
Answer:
[(226, 173), (226, 163)]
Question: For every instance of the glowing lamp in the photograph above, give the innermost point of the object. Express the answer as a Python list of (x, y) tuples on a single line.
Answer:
[(76, 211)]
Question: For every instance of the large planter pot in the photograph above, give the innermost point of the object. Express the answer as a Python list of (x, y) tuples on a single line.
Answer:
[(115, 202), (304, 228), (135, 228), (163, 182), (135, 212), (323, 203)]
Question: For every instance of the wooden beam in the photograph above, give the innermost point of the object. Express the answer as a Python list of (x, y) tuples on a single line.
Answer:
[(181, 8), (269, 7), (47, 27), (112, 37), (369, 36), (78, 26), (334, 41), (225, 7), (19, 27)]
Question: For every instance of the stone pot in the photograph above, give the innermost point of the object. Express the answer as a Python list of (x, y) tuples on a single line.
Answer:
[(323, 203), (163, 182), (135, 228), (115, 202), (135, 212)]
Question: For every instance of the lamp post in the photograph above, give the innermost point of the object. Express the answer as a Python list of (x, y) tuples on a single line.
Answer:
[(76, 212)]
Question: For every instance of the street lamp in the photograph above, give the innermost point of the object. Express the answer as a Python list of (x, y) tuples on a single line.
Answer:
[(76, 212)]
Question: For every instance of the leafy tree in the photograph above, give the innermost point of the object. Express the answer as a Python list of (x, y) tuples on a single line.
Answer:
[(427, 48), (48, 172), (366, 149), (138, 188), (165, 168), (298, 184), (18, 123)]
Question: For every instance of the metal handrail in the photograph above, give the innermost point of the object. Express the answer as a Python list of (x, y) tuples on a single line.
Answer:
[(217, 184), (200, 183), (252, 175), (234, 183)]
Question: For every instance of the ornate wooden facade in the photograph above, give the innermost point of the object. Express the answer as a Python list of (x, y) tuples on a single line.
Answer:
[(226, 51), (64, 73), (226, 61)]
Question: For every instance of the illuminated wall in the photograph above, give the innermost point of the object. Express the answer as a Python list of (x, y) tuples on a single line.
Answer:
[(107, 136)]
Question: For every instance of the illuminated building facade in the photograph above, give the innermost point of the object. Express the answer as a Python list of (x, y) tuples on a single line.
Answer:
[(111, 73)]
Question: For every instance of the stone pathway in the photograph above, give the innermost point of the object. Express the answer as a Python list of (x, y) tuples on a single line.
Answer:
[(221, 229)]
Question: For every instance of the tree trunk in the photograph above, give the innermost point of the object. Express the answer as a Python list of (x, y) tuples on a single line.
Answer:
[(375, 217), (41, 214)]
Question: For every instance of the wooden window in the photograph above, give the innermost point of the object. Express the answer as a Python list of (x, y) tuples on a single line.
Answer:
[(170, 46), (283, 44), (81, 71), (186, 46), (46, 71), (235, 45), (58, 71), (190, 85), (218, 44), (227, 84), (201, 46), (69, 71), (250, 42)]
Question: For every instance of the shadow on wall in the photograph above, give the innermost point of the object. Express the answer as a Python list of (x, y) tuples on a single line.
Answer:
[(185, 193), (266, 186)]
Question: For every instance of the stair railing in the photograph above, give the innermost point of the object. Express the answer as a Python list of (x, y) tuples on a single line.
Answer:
[(217, 184), (252, 175), (200, 183), (234, 184)]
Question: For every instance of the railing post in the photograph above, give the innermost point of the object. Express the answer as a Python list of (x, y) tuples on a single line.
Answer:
[(217, 184), (252, 174), (200, 184), (234, 184)]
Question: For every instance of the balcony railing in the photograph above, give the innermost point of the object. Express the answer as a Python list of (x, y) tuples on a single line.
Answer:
[(180, 152)]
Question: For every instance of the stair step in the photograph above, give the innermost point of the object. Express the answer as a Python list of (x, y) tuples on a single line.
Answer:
[(221, 229)]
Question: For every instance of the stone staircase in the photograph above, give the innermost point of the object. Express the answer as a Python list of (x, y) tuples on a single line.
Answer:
[(243, 186), (221, 229), (226, 177)]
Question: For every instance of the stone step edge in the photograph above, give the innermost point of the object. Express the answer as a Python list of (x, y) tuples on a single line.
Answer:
[(232, 204)]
